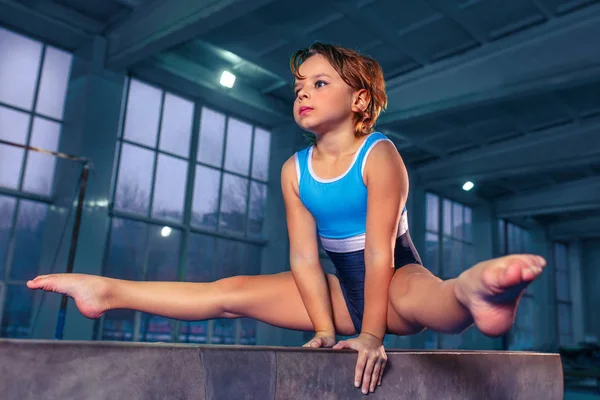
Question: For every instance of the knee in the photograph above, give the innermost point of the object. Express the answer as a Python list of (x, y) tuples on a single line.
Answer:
[(227, 291)]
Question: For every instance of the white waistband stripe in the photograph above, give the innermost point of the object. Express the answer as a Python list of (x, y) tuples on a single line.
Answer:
[(355, 243)]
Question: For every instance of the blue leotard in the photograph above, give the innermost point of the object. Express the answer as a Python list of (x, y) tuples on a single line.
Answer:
[(339, 206)]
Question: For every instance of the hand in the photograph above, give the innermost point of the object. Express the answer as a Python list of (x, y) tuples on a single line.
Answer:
[(371, 360), (321, 339)]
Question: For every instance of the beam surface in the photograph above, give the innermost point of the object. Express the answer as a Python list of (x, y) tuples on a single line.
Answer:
[(99, 370), (162, 25)]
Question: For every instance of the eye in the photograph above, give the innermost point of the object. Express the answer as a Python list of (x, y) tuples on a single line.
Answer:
[(317, 83)]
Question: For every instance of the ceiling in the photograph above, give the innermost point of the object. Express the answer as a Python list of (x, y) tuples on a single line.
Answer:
[(503, 93)]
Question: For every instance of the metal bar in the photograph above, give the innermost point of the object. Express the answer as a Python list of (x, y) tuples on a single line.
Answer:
[(74, 238), (44, 151)]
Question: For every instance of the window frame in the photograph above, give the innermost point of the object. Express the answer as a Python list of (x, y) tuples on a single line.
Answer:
[(186, 226)]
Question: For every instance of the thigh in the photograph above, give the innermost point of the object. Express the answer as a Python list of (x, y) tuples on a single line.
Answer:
[(275, 299), (398, 288)]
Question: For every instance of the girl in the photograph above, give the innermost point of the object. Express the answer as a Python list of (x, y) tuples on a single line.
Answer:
[(347, 189)]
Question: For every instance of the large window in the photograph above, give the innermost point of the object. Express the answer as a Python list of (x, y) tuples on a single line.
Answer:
[(189, 199), (517, 240), (449, 249), (563, 294), (33, 85)]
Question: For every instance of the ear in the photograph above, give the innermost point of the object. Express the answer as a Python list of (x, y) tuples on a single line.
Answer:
[(360, 100)]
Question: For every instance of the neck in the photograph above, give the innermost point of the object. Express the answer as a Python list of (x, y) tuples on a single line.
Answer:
[(337, 142)]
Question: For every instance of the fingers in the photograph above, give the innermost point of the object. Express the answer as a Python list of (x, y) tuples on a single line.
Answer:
[(368, 376), (342, 344), (361, 363), (383, 365)]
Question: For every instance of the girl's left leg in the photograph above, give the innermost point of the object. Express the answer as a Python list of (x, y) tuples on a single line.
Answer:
[(487, 294)]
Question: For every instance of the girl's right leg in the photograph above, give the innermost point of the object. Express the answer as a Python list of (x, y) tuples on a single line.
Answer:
[(273, 299)]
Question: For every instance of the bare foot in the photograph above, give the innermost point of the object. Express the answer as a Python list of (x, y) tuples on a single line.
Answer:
[(491, 290), (89, 292)]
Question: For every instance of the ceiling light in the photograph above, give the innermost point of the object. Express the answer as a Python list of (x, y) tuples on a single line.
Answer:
[(227, 79), (468, 186), (166, 231)]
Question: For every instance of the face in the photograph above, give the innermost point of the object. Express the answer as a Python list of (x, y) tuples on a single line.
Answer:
[(323, 100)]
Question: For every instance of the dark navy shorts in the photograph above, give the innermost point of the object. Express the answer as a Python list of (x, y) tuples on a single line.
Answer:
[(350, 270)]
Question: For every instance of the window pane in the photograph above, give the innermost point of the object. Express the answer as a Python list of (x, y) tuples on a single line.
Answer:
[(223, 331), (447, 217), (258, 199), (17, 312), (206, 197), (127, 249), (233, 203), (446, 264), (118, 325), (29, 233), (468, 232), (431, 253), (232, 258), (163, 254), (194, 332), (562, 286), (212, 134), (169, 188), (200, 258), (176, 126), (19, 72), (7, 210), (260, 156), (155, 329), (457, 263), (135, 178), (247, 331), (237, 153), (13, 128), (53, 84), (564, 319), (39, 171), (457, 221), (433, 213), (143, 113)]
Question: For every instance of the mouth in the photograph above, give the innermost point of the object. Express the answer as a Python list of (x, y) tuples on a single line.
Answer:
[(304, 110)]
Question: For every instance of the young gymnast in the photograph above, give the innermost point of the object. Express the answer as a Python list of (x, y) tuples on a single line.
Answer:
[(347, 189)]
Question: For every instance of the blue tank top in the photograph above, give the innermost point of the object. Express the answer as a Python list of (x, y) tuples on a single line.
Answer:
[(339, 205)]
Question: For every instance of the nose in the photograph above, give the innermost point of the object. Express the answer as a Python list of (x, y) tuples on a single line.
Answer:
[(302, 94)]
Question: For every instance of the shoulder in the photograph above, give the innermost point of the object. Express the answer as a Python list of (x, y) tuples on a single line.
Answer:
[(384, 158), (288, 169), (382, 153)]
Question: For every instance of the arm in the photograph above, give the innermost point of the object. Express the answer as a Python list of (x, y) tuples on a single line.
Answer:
[(387, 184), (304, 254)]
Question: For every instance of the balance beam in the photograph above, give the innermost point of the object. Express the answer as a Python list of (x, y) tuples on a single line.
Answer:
[(33, 369)]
